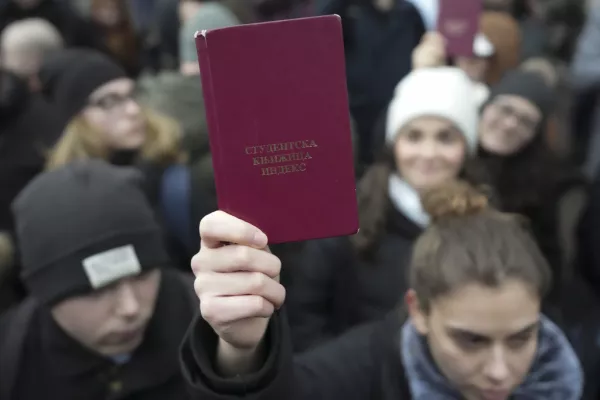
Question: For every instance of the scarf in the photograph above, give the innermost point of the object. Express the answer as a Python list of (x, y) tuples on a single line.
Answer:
[(407, 201), (554, 375)]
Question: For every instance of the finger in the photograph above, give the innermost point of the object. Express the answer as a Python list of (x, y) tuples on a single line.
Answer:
[(436, 36), (219, 227), (240, 284), (426, 37), (234, 258), (225, 310)]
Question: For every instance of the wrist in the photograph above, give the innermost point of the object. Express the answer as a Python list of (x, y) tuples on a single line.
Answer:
[(233, 361)]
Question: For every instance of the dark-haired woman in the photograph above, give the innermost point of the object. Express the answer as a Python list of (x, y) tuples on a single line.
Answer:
[(527, 176), (431, 140), (474, 332)]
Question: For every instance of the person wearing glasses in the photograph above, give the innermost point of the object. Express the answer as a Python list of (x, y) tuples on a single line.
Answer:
[(104, 121), (529, 179)]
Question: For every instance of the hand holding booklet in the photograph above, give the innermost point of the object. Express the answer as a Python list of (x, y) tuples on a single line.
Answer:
[(279, 126), (458, 22)]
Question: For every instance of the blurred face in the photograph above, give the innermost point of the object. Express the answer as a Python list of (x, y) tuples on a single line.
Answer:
[(508, 124), (429, 151), (112, 320), (27, 4), (384, 5), (482, 339), (474, 67), (116, 115), (107, 13)]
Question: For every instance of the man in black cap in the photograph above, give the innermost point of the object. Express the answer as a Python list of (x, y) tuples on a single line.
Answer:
[(103, 319)]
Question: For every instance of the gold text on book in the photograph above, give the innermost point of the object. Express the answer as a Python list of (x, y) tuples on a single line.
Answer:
[(281, 158)]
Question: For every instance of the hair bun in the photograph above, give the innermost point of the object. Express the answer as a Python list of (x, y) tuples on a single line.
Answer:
[(455, 199)]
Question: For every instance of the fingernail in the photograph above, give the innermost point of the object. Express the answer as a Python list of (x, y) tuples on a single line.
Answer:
[(260, 239)]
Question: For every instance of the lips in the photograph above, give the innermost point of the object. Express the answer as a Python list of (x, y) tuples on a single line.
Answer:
[(126, 336), (495, 394)]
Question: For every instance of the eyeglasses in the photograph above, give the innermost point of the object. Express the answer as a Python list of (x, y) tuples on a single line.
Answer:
[(112, 101), (525, 121)]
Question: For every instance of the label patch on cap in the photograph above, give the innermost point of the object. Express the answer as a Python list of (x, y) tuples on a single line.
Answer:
[(111, 265)]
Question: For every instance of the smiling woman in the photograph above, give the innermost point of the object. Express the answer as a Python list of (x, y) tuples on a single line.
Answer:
[(430, 140), (528, 177)]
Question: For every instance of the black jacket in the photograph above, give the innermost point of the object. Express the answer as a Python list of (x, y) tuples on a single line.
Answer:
[(335, 289), (365, 364), (28, 129), (362, 365), (378, 50), (50, 363)]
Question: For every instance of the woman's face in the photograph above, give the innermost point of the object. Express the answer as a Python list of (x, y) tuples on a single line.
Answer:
[(508, 124), (429, 151), (114, 113), (107, 13), (475, 67), (482, 339)]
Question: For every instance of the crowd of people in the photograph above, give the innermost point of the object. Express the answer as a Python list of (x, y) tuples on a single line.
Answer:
[(476, 270)]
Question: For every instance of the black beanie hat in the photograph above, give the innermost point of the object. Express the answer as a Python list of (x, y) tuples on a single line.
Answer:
[(528, 85), (76, 83), (56, 64), (84, 226)]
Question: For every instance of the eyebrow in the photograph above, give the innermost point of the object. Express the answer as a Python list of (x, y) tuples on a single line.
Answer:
[(101, 95), (461, 331)]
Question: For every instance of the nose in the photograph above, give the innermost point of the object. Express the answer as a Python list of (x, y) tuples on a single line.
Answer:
[(511, 122), (428, 149), (128, 305), (132, 107), (496, 368)]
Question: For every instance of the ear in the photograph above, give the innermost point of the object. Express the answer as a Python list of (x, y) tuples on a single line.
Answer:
[(417, 315)]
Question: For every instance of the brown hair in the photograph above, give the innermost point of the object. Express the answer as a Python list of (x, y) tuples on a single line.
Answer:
[(469, 241), (120, 39), (504, 33), (81, 141), (374, 202)]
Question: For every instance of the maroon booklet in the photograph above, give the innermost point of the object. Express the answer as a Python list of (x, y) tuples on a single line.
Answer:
[(458, 22), (279, 126)]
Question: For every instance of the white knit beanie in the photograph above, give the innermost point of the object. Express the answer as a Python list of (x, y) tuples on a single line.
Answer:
[(439, 92)]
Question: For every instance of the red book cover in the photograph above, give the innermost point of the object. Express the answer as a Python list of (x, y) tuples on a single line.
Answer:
[(458, 22), (279, 126)]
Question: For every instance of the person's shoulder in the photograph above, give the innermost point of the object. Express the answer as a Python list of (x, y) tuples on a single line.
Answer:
[(166, 79), (154, 82), (168, 91)]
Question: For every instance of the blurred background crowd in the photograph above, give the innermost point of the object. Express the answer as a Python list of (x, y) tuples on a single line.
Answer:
[(119, 81)]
